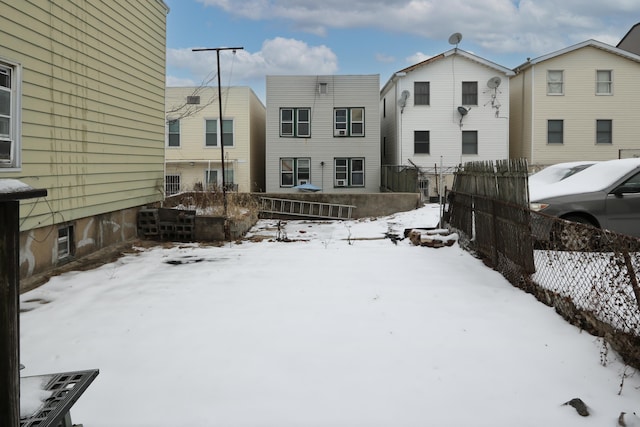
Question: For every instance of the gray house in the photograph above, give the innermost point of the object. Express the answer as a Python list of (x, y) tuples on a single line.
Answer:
[(323, 131)]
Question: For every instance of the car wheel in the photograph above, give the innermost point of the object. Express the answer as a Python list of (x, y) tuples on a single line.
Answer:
[(573, 235)]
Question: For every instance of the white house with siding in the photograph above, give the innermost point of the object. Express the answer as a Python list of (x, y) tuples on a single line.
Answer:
[(81, 116), (578, 103), (447, 110), (193, 151), (323, 131)]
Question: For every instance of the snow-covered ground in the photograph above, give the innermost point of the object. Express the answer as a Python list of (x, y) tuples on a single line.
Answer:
[(336, 327)]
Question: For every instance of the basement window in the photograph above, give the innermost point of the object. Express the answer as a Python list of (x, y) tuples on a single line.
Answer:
[(65, 242)]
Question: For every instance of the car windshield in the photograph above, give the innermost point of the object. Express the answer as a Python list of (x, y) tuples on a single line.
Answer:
[(558, 172), (596, 177)]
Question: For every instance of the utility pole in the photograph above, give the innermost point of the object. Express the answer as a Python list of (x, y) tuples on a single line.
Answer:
[(224, 184)]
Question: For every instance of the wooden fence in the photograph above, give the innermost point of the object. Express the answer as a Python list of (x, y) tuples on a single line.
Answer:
[(489, 202)]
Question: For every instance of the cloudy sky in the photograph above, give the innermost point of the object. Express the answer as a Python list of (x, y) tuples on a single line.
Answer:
[(373, 36)]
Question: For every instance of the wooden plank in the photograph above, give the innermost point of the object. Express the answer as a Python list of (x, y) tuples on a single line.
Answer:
[(9, 317)]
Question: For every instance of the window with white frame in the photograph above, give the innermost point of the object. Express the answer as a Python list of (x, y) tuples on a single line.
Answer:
[(604, 131), (469, 93), (295, 171), (421, 93), (349, 172), (211, 178), (604, 82), (469, 142), (211, 133), (174, 133), (9, 115), (555, 131), (555, 82), (229, 177), (171, 184), (421, 142), (65, 241), (295, 122), (348, 121)]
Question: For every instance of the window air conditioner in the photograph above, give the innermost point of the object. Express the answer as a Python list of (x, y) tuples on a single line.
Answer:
[(341, 183), (302, 182), (339, 132)]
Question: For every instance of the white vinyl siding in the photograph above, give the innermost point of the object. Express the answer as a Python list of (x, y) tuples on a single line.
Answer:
[(442, 119), (354, 94)]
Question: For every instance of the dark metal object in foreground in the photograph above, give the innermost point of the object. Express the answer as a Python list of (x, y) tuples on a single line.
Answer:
[(65, 389)]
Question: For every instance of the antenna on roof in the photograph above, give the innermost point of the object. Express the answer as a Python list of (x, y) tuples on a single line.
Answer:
[(455, 39)]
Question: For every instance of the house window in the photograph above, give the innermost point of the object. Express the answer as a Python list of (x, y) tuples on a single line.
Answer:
[(65, 241), (604, 82), (174, 133), (421, 93), (9, 107), (211, 179), (323, 88), (294, 171), (604, 131), (469, 142), (348, 122), (555, 82), (295, 122), (421, 142), (229, 184), (171, 184), (555, 131), (211, 133), (349, 172), (469, 93)]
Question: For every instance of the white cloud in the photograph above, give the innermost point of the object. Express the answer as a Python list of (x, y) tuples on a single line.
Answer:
[(500, 26), (277, 56), (418, 57)]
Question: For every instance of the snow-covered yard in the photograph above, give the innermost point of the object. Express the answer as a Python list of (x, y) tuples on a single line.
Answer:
[(337, 327)]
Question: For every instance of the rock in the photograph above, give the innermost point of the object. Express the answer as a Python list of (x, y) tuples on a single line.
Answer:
[(579, 405)]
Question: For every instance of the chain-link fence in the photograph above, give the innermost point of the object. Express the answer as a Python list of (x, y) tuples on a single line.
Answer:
[(590, 276), (597, 271)]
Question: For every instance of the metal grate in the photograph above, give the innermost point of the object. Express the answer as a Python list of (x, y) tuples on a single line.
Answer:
[(66, 388), (172, 184)]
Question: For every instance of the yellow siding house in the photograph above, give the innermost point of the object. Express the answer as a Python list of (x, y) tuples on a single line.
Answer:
[(82, 87), (194, 144), (579, 103)]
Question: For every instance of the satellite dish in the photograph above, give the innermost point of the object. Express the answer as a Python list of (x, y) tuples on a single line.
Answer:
[(463, 111), (402, 102), (455, 38), (494, 82), (403, 98)]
